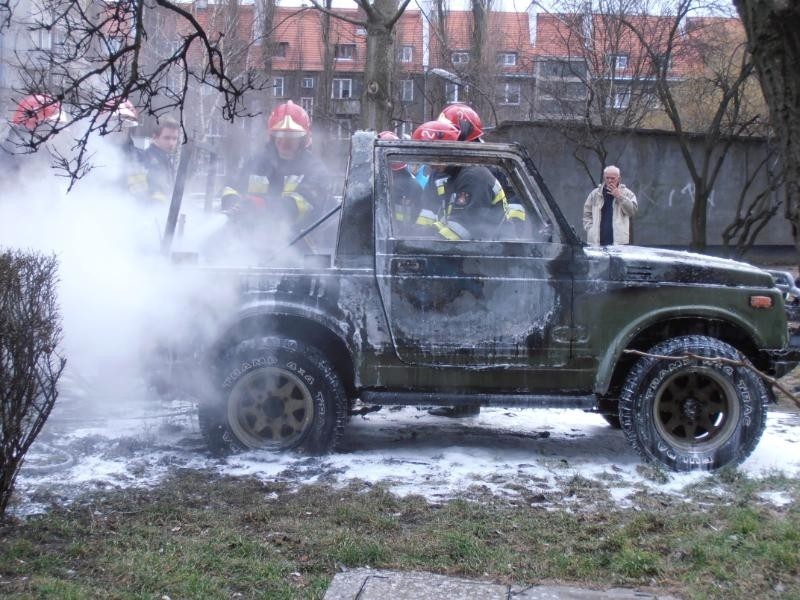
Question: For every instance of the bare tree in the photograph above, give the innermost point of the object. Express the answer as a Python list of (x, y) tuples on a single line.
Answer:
[(98, 55), (381, 18), (605, 83), (757, 203), (718, 88), (238, 46), (30, 367), (773, 31)]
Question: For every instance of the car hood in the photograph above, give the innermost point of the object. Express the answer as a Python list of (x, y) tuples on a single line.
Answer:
[(634, 263)]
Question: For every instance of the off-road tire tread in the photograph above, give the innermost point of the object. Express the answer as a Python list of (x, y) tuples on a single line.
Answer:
[(646, 367), (212, 414)]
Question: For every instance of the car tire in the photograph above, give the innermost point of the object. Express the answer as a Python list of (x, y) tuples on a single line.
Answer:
[(692, 415), (276, 394)]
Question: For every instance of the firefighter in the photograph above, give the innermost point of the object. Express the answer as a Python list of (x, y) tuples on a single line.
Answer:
[(283, 182), (405, 192), (460, 202), (466, 119), (117, 121), (35, 117), (470, 127)]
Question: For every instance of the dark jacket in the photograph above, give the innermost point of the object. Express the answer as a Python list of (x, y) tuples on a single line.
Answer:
[(463, 203), (160, 173), (293, 191)]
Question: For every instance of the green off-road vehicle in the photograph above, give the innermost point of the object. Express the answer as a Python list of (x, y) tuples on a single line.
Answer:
[(528, 317)]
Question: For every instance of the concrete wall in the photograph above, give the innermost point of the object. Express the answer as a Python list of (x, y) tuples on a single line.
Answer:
[(653, 167)]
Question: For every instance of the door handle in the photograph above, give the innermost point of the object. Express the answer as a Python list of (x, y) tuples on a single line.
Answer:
[(408, 266)]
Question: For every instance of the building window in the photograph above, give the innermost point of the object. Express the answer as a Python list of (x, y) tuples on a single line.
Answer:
[(662, 60), (619, 62), (407, 90), (342, 88), (45, 41), (280, 50), (307, 83), (114, 44), (344, 51), (508, 93), (507, 59), (277, 87), (460, 58), (619, 99), (307, 104), (562, 68), (452, 92), (343, 129), (406, 54)]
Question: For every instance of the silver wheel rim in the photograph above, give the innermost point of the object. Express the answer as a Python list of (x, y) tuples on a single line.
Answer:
[(696, 409), (270, 408)]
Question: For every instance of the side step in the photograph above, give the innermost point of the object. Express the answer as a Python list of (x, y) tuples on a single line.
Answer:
[(402, 398)]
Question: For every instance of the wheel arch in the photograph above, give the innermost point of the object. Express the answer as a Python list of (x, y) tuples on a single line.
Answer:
[(645, 335), (298, 327)]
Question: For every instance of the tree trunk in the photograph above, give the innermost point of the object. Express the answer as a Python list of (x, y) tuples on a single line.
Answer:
[(773, 32), (699, 216), (477, 68), (376, 99)]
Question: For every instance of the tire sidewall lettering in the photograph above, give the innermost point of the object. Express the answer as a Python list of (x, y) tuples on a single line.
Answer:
[(747, 404)]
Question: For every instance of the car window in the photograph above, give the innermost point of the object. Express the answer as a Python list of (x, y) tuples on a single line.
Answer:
[(457, 200)]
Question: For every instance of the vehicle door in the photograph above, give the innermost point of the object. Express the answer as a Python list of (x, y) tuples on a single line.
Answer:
[(503, 300)]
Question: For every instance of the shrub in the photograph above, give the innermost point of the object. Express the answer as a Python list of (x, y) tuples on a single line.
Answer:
[(30, 331)]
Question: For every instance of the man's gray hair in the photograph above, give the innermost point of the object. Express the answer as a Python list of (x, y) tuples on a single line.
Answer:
[(612, 168)]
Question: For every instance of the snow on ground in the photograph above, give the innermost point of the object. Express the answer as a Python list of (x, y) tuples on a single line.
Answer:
[(526, 455)]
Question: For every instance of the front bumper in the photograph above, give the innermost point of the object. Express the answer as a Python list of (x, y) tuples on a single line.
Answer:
[(788, 358)]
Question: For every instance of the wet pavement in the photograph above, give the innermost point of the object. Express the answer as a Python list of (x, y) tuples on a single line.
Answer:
[(375, 584)]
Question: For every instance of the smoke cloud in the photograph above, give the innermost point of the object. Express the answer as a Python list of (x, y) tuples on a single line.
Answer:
[(120, 298)]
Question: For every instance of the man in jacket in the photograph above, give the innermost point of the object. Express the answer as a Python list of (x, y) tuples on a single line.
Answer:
[(158, 160), (608, 211)]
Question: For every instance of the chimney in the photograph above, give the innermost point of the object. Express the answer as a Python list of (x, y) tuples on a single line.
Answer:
[(533, 21)]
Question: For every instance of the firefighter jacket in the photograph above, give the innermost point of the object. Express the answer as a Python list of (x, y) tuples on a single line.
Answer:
[(134, 173), (160, 174), (292, 191), (406, 192), (462, 203)]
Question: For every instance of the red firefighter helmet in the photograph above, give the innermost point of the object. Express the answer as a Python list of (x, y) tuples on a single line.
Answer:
[(436, 131), (465, 118), (38, 108), (123, 110), (289, 121), (390, 135)]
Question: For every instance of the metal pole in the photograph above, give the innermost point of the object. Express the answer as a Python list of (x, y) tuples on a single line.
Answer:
[(177, 197), (210, 176)]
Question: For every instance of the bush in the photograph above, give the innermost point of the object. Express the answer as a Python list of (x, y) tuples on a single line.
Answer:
[(30, 331)]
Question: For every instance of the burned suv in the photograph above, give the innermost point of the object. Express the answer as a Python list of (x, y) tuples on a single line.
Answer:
[(663, 344)]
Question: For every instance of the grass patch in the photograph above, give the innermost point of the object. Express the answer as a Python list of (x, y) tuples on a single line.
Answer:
[(202, 536)]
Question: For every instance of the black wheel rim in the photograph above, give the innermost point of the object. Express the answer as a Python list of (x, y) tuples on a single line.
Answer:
[(696, 409), (270, 408)]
